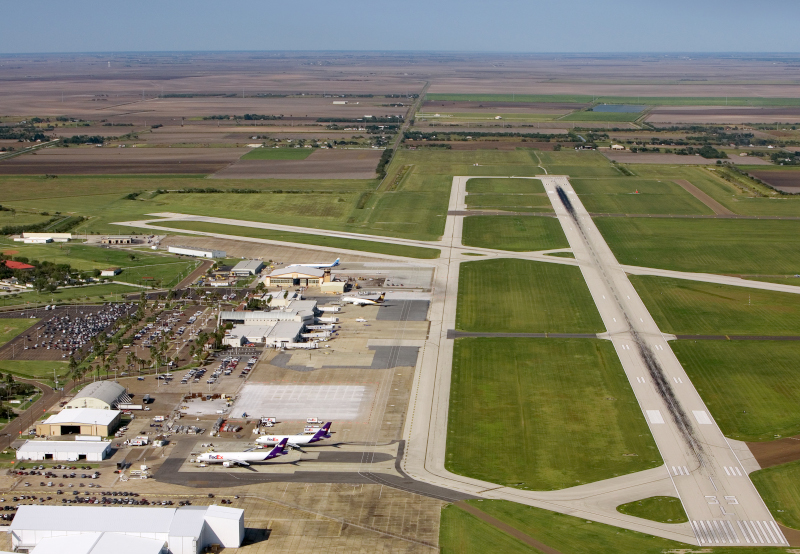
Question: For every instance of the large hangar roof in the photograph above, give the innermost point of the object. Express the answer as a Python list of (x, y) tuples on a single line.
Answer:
[(89, 447), (99, 543), (107, 391), (89, 519), (83, 416)]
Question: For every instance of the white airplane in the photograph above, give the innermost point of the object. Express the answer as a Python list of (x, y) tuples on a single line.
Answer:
[(362, 301), (296, 441), (361, 320), (229, 459), (320, 266)]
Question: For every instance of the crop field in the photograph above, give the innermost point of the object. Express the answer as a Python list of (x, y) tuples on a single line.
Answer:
[(636, 196), (317, 164), (588, 163), (651, 100), (73, 295), (166, 270), (786, 181), (763, 247), (520, 296), (277, 154), (504, 186), (693, 308), (780, 488), (10, 328), (509, 202), (486, 116), (665, 509), (301, 238), (613, 117), (567, 402), (572, 535), (750, 387), (518, 234), (725, 193)]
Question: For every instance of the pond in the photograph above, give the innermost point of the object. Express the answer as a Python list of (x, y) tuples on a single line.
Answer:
[(619, 108)]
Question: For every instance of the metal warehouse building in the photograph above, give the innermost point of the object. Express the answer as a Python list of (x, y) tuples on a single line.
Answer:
[(64, 451), (185, 530), (100, 395), (81, 421), (198, 252), (247, 267)]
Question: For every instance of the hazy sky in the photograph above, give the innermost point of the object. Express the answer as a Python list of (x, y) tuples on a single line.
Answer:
[(443, 25)]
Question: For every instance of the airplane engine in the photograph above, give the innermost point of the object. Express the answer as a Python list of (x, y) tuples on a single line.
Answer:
[(226, 464)]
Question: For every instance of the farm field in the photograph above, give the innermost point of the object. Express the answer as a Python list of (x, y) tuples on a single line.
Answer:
[(10, 328), (572, 535), (749, 386), (665, 509), (509, 202), (278, 154), (317, 164), (486, 116), (785, 181), (588, 163), (780, 488), (650, 100), (74, 295), (461, 532), (504, 186), (518, 234), (333, 242), (166, 270), (520, 296), (613, 117), (763, 247), (693, 308), (552, 395)]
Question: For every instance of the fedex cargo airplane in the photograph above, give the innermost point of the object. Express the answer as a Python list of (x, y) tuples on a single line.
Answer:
[(362, 301), (229, 459), (296, 441), (320, 266)]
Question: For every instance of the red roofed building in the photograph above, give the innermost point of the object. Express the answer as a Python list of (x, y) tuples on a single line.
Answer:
[(11, 264)]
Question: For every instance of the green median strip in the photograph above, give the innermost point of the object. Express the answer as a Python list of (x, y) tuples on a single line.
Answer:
[(302, 238)]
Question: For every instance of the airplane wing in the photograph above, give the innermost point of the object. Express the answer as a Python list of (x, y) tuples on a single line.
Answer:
[(239, 462)]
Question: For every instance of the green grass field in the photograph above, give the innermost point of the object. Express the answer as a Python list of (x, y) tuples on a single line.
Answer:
[(664, 509), (7, 217), (636, 196), (505, 186), (89, 293), (650, 100), (10, 328), (278, 154), (752, 247), (40, 370), (612, 117), (725, 193), (780, 488), (461, 532), (520, 296), (566, 402), (693, 308), (585, 163), (484, 116), (518, 234), (167, 270), (750, 387), (509, 202), (333, 242), (572, 535)]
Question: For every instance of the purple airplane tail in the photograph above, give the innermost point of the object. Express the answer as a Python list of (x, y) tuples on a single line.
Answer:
[(322, 433), (278, 450)]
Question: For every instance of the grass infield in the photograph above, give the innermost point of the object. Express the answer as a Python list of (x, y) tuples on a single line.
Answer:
[(10, 328), (518, 234), (566, 402), (780, 488), (664, 509)]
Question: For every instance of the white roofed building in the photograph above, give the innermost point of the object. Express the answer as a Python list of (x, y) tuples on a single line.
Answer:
[(295, 275), (185, 530), (247, 267), (100, 395), (64, 451), (80, 421)]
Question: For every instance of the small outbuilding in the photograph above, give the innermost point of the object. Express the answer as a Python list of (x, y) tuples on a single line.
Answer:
[(81, 421), (100, 395), (64, 451), (247, 267), (110, 272)]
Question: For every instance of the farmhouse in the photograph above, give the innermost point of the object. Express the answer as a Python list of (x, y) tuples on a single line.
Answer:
[(617, 147), (64, 451), (100, 395), (78, 529), (197, 252), (83, 421)]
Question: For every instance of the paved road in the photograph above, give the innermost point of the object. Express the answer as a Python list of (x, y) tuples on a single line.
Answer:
[(721, 502)]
